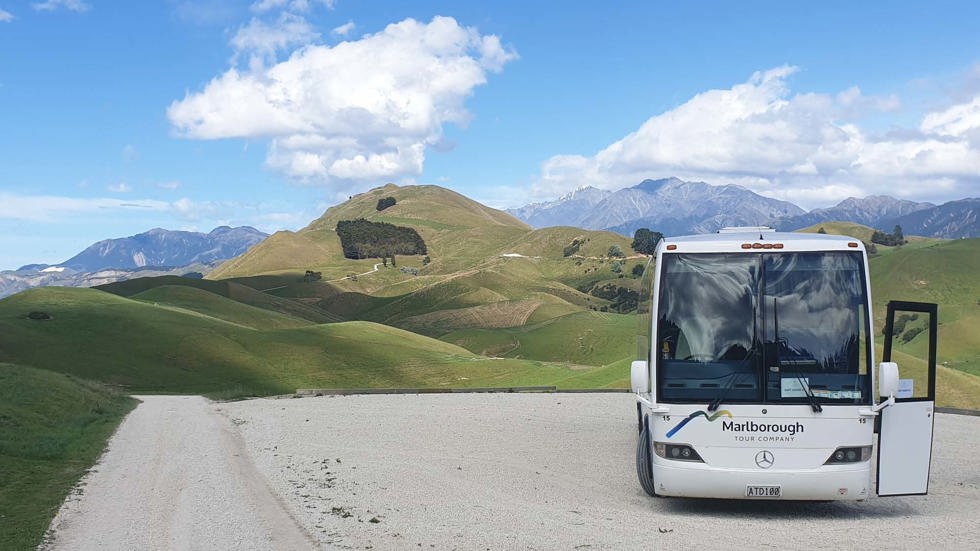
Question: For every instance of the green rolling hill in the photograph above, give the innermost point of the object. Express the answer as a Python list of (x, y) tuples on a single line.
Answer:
[(456, 230), (944, 272), (150, 347)]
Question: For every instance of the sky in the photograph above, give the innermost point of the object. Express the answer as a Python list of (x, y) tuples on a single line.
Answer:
[(117, 117)]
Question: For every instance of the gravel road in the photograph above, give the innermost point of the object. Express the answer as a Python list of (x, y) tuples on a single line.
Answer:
[(176, 476), (459, 471)]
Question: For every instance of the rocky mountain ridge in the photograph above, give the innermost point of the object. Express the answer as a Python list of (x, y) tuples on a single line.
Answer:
[(676, 207), (160, 247), (152, 253)]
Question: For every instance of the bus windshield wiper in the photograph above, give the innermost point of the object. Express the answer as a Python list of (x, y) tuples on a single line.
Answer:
[(736, 377), (817, 408), (721, 396), (805, 385)]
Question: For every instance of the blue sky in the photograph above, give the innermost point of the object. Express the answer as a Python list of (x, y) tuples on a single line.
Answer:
[(117, 117)]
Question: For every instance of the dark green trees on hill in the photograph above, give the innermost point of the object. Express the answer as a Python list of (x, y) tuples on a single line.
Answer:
[(891, 240), (365, 239), (645, 241)]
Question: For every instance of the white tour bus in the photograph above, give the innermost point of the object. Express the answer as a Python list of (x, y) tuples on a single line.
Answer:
[(757, 379)]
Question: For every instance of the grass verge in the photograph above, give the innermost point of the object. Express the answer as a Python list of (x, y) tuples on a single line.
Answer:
[(53, 428)]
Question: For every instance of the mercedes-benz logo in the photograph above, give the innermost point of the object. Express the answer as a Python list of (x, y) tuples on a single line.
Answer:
[(764, 459)]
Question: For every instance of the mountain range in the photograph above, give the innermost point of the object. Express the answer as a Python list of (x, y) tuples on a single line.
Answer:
[(676, 207), (153, 253), (160, 247)]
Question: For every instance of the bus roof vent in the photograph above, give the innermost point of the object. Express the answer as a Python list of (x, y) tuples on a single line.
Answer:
[(746, 229)]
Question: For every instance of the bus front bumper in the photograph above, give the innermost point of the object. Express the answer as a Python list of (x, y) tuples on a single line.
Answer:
[(683, 479)]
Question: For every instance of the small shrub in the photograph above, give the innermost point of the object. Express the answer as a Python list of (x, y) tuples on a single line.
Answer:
[(572, 248), (385, 203), (41, 316), (893, 239)]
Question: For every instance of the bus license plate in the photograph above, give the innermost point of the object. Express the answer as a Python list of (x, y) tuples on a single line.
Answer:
[(763, 491)]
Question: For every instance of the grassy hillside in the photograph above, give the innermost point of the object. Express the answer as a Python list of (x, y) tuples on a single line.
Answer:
[(52, 430), (145, 347), (247, 291), (850, 229), (454, 228), (204, 303), (584, 338), (487, 270), (864, 234), (944, 272)]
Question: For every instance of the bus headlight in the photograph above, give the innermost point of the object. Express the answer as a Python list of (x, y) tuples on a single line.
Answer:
[(678, 452), (849, 455)]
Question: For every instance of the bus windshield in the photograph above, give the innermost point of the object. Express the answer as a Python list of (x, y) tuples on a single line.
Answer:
[(763, 328)]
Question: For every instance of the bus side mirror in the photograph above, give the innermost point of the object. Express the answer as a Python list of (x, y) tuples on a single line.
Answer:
[(640, 377), (887, 379)]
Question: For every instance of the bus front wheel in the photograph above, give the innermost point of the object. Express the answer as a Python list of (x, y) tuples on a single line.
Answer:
[(644, 463)]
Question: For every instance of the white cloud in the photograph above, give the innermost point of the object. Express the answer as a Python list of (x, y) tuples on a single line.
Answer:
[(359, 111), (47, 208), (344, 29), (121, 187), (804, 147), (957, 121), (6, 16), (143, 213), (264, 40), (54, 5)]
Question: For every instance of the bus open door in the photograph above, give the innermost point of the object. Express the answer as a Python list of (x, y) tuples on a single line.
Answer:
[(907, 413)]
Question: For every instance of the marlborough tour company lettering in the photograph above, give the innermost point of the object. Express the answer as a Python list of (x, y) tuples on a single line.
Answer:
[(746, 431)]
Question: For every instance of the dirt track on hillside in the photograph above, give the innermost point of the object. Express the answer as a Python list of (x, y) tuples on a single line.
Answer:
[(468, 471)]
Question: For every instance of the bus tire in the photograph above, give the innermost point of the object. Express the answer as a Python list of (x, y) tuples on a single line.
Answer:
[(644, 463)]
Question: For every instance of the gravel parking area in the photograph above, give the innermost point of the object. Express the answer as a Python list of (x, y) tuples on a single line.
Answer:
[(457, 471), (554, 471)]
